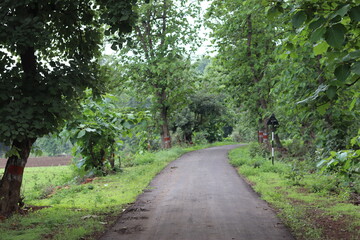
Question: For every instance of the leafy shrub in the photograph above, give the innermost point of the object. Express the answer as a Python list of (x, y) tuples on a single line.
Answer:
[(324, 184), (200, 138), (344, 162), (257, 149), (296, 148), (297, 173)]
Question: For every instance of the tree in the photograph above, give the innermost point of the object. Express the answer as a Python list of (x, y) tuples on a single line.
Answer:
[(328, 30), (205, 113), (246, 54), (98, 131), (47, 59), (158, 64)]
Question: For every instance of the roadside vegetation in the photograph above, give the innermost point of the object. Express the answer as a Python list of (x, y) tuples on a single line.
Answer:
[(313, 203), (115, 111), (62, 203)]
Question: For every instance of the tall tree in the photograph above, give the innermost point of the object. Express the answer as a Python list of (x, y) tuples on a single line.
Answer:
[(329, 31), (159, 63), (246, 53), (48, 52)]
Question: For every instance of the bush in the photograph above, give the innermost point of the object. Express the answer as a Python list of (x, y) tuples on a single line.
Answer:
[(296, 148), (200, 138), (257, 149)]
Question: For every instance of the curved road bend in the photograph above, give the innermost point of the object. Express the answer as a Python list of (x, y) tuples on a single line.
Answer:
[(199, 197)]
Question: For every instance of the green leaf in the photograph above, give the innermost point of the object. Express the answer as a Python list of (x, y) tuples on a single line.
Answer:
[(319, 164), (317, 34), (320, 48), (355, 14), (356, 68), (335, 35), (352, 104), (331, 92), (335, 18), (351, 56), (342, 11), (322, 109), (273, 12), (14, 151), (81, 133), (127, 125), (299, 18), (317, 23), (342, 72)]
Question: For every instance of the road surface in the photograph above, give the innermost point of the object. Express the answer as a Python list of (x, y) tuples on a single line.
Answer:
[(199, 197)]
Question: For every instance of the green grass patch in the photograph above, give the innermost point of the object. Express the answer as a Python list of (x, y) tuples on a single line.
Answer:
[(78, 210), (307, 202)]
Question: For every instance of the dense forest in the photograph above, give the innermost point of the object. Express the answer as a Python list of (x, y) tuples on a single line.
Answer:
[(63, 91)]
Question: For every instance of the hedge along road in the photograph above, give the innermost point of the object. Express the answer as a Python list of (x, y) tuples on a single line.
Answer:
[(199, 196)]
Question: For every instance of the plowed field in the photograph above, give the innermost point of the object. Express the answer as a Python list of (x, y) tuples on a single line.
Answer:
[(43, 161)]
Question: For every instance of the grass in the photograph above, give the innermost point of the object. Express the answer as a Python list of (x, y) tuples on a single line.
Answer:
[(311, 204), (79, 210)]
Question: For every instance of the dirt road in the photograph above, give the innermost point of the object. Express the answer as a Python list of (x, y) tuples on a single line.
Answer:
[(199, 197)]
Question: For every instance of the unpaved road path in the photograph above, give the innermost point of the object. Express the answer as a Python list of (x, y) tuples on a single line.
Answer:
[(199, 197)]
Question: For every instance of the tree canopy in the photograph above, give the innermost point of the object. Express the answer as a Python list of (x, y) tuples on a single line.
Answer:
[(48, 57), (299, 60)]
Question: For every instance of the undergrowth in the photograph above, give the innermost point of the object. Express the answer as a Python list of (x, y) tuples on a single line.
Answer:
[(75, 210), (296, 192)]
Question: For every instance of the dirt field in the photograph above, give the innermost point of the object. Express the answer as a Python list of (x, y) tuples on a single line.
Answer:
[(43, 161)]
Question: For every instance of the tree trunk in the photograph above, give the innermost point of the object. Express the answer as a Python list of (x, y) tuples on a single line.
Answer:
[(10, 200), (164, 111), (164, 131)]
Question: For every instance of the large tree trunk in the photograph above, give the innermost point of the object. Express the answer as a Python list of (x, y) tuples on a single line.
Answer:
[(10, 184), (164, 128), (164, 131)]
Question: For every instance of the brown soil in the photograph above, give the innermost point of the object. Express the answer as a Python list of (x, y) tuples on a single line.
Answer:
[(332, 228), (42, 161)]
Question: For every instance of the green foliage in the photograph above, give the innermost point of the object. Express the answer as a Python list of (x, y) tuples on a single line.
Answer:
[(53, 145), (78, 210), (46, 63), (98, 132), (206, 115), (297, 173), (200, 138), (257, 149), (331, 29), (296, 148), (345, 162), (157, 62), (246, 51), (119, 17), (296, 196), (244, 130)]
